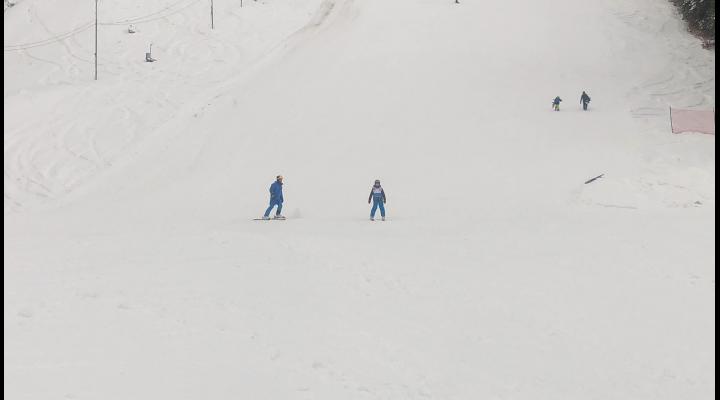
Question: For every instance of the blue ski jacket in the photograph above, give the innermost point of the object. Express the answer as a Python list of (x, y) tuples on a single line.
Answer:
[(378, 194), (276, 192)]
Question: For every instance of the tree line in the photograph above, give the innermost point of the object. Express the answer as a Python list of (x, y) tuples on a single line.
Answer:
[(700, 17)]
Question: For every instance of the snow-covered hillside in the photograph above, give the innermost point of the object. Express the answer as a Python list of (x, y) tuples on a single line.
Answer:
[(134, 270)]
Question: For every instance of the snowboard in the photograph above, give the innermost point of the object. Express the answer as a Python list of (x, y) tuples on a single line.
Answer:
[(270, 219)]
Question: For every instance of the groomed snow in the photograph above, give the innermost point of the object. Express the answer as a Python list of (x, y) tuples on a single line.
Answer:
[(134, 270)]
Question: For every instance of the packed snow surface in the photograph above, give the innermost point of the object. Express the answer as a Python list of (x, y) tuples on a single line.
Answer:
[(134, 269)]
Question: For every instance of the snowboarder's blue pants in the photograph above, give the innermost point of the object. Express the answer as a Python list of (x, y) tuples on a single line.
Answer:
[(274, 203), (585, 105), (377, 202)]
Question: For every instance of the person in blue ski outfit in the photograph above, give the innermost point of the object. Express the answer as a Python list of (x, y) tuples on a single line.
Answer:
[(377, 195), (584, 99), (556, 103), (276, 198)]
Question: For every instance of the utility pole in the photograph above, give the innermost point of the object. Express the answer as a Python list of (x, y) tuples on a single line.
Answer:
[(212, 19), (96, 14)]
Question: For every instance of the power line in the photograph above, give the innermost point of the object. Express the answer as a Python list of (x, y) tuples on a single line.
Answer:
[(142, 19), (50, 40), (90, 24), (133, 19)]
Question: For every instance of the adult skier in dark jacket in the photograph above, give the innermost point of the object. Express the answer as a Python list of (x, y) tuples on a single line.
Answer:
[(276, 198), (584, 99), (377, 195)]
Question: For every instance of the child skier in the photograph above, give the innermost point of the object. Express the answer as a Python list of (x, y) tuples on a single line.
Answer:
[(556, 103), (377, 195), (584, 99), (276, 199)]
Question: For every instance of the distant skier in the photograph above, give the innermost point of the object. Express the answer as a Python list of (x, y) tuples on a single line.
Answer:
[(377, 195), (556, 103), (276, 198), (584, 99)]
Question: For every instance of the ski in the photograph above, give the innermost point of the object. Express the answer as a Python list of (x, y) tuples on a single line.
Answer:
[(593, 179)]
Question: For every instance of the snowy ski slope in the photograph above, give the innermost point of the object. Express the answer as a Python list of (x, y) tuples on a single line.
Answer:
[(134, 270)]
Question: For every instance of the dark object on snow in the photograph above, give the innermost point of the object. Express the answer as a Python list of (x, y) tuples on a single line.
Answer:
[(597, 177)]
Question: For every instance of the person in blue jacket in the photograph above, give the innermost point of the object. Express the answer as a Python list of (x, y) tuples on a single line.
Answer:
[(584, 99), (377, 195), (276, 198), (556, 103)]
